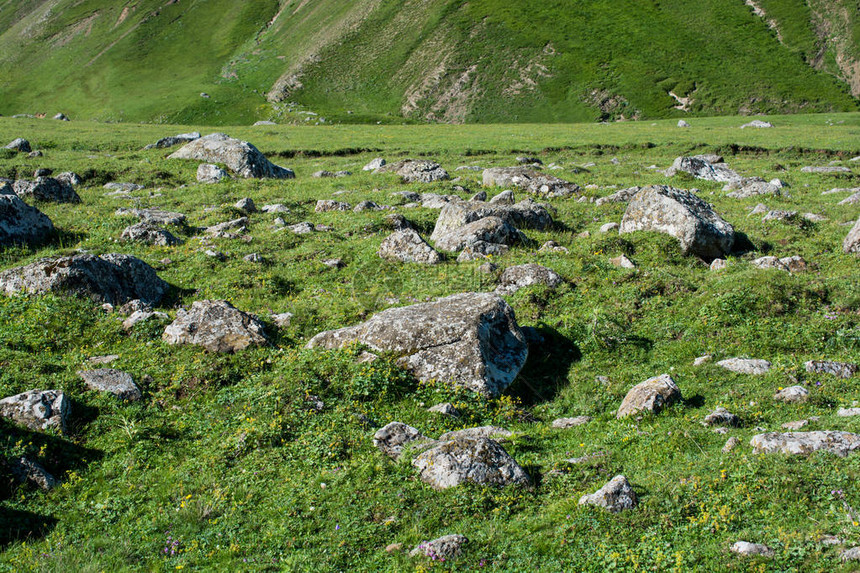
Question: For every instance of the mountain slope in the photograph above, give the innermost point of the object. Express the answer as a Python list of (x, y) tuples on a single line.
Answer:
[(436, 60)]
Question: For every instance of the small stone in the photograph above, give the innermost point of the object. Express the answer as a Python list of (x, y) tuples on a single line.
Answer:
[(142, 316), (304, 228), (28, 471), (838, 369), (217, 326), (391, 548), (253, 258), (751, 549), (325, 205), (208, 173), (682, 123), (565, 423), (392, 439), (731, 444), (622, 262), (848, 412), (651, 396), (282, 320), (615, 496), (796, 425), (475, 460), (719, 264), (702, 360), (116, 382), (374, 164), (246, 205), (804, 443), (608, 227), (721, 416), (852, 554), (792, 394), (495, 432), (445, 408), (441, 549), (745, 365)]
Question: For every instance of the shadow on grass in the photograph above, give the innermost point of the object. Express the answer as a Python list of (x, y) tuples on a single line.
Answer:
[(545, 373), (17, 525)]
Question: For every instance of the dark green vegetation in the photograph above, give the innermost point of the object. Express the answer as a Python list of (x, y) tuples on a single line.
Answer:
[(436, 60), (223, 466)]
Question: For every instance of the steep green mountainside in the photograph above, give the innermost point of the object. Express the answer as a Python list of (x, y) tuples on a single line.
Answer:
[(437, 60)]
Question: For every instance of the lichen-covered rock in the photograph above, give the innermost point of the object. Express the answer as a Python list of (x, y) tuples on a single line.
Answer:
[(111, 278), (748, 549), (529, 180), (21, 223), (407, 246), (468, 339), (754, 366), (149, 234), (220, 229), (524, 215), (615, 496), (28, 471), (700, 168), (240, 157), (208, 173), (494, 432), (476, 460), (622, 196), (415, 171), (216, 325), (751, 187), (721, 417), (397, 436), (801, 443), (682, 215), (325, 205), (492, 230), (792, 394), (116, 382), (791, 264), (851, 244), (443, 548), (38, 409), (838, 369), (652, 396), (46, 189), (521, 276)]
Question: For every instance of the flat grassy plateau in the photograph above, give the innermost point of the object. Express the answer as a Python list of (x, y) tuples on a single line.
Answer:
[(222, 466)]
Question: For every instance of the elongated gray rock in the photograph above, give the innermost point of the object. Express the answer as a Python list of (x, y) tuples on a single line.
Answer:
[(615, 496), (46, 189), (442, 548), (682, 215), (21, 223), (149, 234), (208, 173), (700, 168), (748, 549), (476, 460), (153, 215), (415, 170), (240, 157), (38, 410), (754, 366), (216, 325), (838, 369), (652, 396), (521, 276), (851, 244), (721, 417), (622, 196), (494, 432), (469, 339), (801, 443), (530, 181), (407, 246), (110, 278), (115, 382), (489, 230), (172, 140)]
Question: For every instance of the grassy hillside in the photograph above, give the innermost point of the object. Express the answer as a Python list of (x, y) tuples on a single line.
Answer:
[(436, 60), (224, 466)]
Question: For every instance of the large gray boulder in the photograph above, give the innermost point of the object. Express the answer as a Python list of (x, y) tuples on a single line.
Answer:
[(38, 410), (524, 215), (492, 230), (475, 460), (149, 234), (530, 181), (46, 189), (216, 325), (617, 495), (469, 339), (115, 382), (240, 157), (521, 276), (683, 215), (407, 246), (21, 223), (415, 171), (700, 168), (651, 396), (801, 443), (851, 244), (110, 278)]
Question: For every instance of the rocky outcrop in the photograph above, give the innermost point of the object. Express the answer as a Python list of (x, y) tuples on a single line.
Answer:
[(651, 396), (240, 157), (38, 410), (802, 443), (469, 339), (46, 189), (474, 460), (110, 278), (22, 224), (407, 246), (216, 325), (530, 181), (682, 215)]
